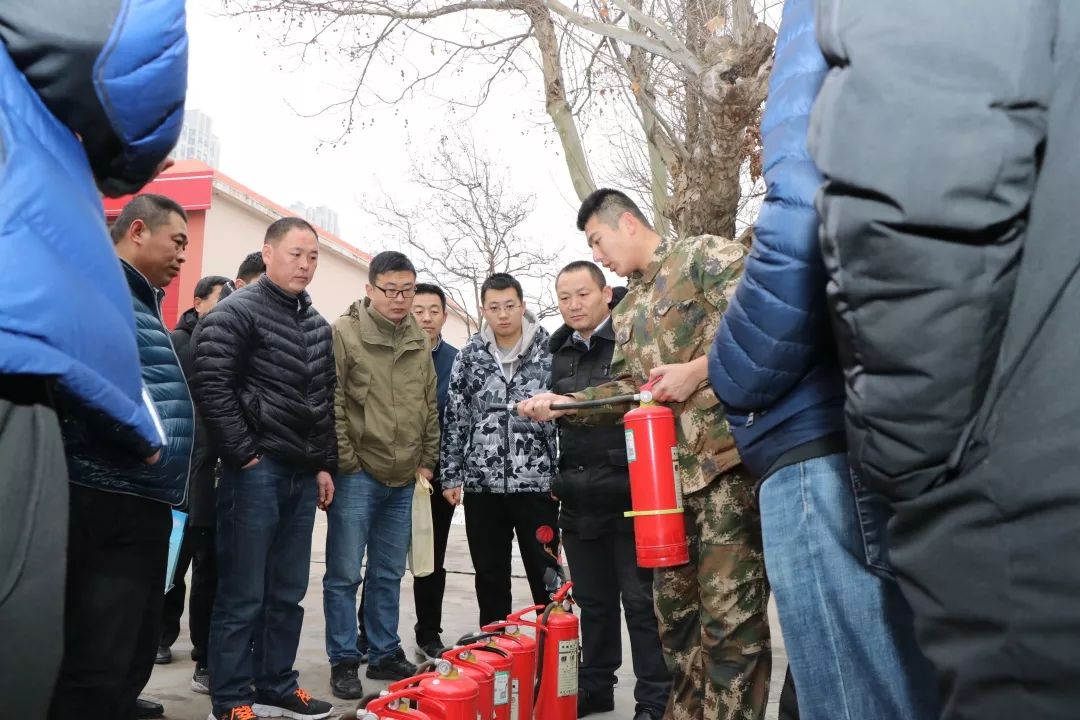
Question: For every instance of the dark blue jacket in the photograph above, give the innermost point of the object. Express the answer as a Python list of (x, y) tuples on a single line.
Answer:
[(443, 356), (773, 362), (114, 73), (103, 466)]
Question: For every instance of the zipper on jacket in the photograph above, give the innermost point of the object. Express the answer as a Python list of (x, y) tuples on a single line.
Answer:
[(507, 463)]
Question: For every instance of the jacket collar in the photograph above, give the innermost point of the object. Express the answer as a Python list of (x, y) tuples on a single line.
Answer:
[(659, 257), (564, 336), (141, 286), (383, 331), (296, 303), (188, 321)]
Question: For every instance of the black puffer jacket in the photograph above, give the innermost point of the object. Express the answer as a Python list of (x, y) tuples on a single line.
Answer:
[(593, 482), (264, 378)]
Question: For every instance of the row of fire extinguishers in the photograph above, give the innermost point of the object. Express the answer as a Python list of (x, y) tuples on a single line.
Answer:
[(505, 673)]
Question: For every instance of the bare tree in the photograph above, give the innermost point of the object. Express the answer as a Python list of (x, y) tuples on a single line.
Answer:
[(469, 227), (693, 75)]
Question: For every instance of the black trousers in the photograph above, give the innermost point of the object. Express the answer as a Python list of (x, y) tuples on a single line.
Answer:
[(428, 591), (491, 522), (33, 535), (605, 571), (197, 552), (117, 552)]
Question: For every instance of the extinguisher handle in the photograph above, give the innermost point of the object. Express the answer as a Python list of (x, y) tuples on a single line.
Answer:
[(410, 682), (383, 702), (520, 614), (563, 592)]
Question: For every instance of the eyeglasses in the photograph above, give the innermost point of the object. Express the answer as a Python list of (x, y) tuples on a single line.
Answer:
[(508, 308), (407, 292)]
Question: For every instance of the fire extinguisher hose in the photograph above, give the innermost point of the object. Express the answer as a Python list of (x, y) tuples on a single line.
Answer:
[(541, 630)]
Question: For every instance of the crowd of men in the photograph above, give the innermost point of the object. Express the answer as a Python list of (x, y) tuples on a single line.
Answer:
[(873, 405)]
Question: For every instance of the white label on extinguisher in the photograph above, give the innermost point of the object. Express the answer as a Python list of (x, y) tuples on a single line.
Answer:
[(675, 474), (502, 687), (515, 689), (568, 667), (631, 451)]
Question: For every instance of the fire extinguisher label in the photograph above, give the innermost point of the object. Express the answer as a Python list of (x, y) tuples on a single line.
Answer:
[(515, 689), (568, 667), (502, 687), (631, 451), (675, 474)]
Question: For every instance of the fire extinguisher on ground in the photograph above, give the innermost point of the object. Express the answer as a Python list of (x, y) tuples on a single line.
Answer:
[(558, 655)]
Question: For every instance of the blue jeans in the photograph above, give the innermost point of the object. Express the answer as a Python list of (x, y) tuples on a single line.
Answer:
[(265, 519), (365, 514), (847, 629)]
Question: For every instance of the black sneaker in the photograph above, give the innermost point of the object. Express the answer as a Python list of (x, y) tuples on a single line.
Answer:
[(590, 702), (240, 712), (146, 709), (298, 705), (345, 680), (164, 655), (391, 667), (430, 650), (200, 680), (643, 712)]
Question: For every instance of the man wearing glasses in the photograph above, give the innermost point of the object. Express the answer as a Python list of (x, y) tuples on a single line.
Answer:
[(387, 419), (503, 462)]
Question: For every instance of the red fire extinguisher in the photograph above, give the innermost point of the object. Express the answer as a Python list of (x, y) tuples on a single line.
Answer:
[(508, 635), (505, 700), (446, 693), (465, 660), (557, 662), (395, 706), (655, 489)]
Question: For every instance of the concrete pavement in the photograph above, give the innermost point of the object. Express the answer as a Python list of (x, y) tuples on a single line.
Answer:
[(170, 684)]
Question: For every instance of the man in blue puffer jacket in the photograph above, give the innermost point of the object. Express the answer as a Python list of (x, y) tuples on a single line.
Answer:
[(773, 365), (120, 505), (77, 115)]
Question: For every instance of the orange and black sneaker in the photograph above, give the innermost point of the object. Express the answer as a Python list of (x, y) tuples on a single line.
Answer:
[(297, 705), (240, 712)]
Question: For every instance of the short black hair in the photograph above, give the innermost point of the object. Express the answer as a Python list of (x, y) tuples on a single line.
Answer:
[(206, 286), (389, 261), (251, 267), (280, 228), (501, 281), (154, 210), (429, 289), (592, 267), (608, 205)]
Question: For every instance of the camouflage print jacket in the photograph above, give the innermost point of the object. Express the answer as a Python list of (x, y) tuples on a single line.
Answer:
[(670, 315)]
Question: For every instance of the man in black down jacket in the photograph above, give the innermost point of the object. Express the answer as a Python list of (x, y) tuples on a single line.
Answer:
[(264, 384), (118, 542), (594, 488), (197, 549)]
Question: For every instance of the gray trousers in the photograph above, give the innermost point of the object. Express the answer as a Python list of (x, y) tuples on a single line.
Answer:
[(33, 538), (949, 136)]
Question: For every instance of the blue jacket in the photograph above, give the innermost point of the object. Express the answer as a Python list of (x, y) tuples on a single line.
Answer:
[(112, 72), (103, 466), (773, 362), (443, 355)]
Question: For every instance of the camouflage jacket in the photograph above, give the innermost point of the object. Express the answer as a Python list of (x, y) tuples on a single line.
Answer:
[(670, 315)]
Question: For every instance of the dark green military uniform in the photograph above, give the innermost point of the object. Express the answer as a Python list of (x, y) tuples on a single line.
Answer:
[(712, 612)]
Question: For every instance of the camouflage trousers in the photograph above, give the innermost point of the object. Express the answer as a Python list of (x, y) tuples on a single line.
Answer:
[(712, 612)]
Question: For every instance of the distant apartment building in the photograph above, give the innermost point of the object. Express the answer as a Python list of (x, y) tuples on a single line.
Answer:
[(324, 217), (197, 139)]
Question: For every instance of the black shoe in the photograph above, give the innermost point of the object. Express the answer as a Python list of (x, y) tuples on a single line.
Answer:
[(391, 667), (590, 702), (298, 705), (164, 655), (646, 713), (345, 680), (240, 712), (148, 709), (430, 650), (362, 648), (200, 680)]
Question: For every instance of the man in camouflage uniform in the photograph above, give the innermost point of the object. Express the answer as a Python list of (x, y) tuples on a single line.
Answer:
[(712, 612)]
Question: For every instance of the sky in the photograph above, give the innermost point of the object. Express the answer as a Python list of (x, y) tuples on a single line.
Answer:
[(256, 92)]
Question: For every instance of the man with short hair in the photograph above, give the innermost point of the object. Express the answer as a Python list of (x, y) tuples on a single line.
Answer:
[(251, 269), (594, 488), (711, 611), (386, 414), (120, 522), (264, 384), (429, 309), (504, 463), (197, 547)]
